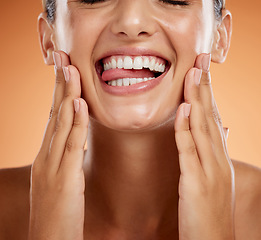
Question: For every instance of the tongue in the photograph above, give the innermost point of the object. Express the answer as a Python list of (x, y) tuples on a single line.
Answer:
[(114, 74)]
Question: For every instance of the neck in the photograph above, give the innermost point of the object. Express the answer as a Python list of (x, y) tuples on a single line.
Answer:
[(132, 179)]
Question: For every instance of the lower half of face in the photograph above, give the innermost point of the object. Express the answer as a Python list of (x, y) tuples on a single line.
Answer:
[(133, 57)]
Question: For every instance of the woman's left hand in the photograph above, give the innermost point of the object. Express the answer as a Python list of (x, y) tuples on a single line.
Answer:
[(207, 182)]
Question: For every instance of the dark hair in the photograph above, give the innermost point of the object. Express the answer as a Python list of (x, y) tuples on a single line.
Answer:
[(219, 5), (50, 6)]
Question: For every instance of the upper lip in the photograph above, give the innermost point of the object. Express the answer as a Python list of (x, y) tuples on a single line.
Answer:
[(138, 51)]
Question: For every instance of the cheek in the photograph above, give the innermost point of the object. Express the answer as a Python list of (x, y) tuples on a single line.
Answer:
[(81, 35), (187, 37), (189, 32), (84, 31), (78, 31)]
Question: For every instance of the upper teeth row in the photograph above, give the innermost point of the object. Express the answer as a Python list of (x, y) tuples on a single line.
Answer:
[(136, 63)]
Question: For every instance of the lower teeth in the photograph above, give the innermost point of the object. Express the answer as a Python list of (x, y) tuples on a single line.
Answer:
[(128, 81)]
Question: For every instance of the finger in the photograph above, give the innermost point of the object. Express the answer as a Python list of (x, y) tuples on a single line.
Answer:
[(74, 150), (188, 156), (198, 123), (210, 107), (59, 84), (61, 60), (65, 118)]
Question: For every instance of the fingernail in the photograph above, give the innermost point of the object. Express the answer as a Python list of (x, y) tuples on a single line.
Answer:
[(66, 73), (197, 76), (187, 109), (76, 103), (206, 62), (57, 60)]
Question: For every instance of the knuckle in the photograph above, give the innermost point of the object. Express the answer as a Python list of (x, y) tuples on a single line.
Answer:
[(196, 96), (77, 123), (59, 125), (70, 145), (68, 95), (190, 149), (212, 113), (53, 112), (59, 79), (218, 119), (204, 128), (206, 81)]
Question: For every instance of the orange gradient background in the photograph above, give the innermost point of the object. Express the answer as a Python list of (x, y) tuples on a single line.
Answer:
[(27, 84)]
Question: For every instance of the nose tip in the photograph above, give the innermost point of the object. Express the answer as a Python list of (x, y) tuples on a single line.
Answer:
[(133, 22), (133, 32)]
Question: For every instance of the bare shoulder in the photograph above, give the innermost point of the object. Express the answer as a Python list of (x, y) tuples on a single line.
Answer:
[(248, 178), (14, 202), (248, 201)]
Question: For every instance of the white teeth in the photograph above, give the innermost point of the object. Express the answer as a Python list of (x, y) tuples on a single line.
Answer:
[(119, 82), (113, 63), (157, 67), (146, 62), (106, 67), (152, 65), (128, 81), (139, 62), (127, 64), (113, 83), (139, 80), (119, 63), (161, 68), (133, 81)]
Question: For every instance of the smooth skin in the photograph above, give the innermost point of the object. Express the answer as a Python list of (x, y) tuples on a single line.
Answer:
[(61, 157), (207, 174), (175, 182), (57, 189), (61, 196)]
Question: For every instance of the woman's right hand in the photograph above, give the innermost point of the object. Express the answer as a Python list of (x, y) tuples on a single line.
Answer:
[(57, 177)]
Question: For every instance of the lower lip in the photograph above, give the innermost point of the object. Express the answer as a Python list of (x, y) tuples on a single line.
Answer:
[(132, 89)]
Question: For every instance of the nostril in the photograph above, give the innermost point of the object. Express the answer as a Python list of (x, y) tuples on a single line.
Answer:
[(130, 34), (142, 33), (122, 34)]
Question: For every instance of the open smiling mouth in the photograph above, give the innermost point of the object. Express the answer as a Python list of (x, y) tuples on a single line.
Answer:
[(130, 70)]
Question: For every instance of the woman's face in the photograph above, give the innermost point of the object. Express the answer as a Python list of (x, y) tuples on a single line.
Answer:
[(170, 32)]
